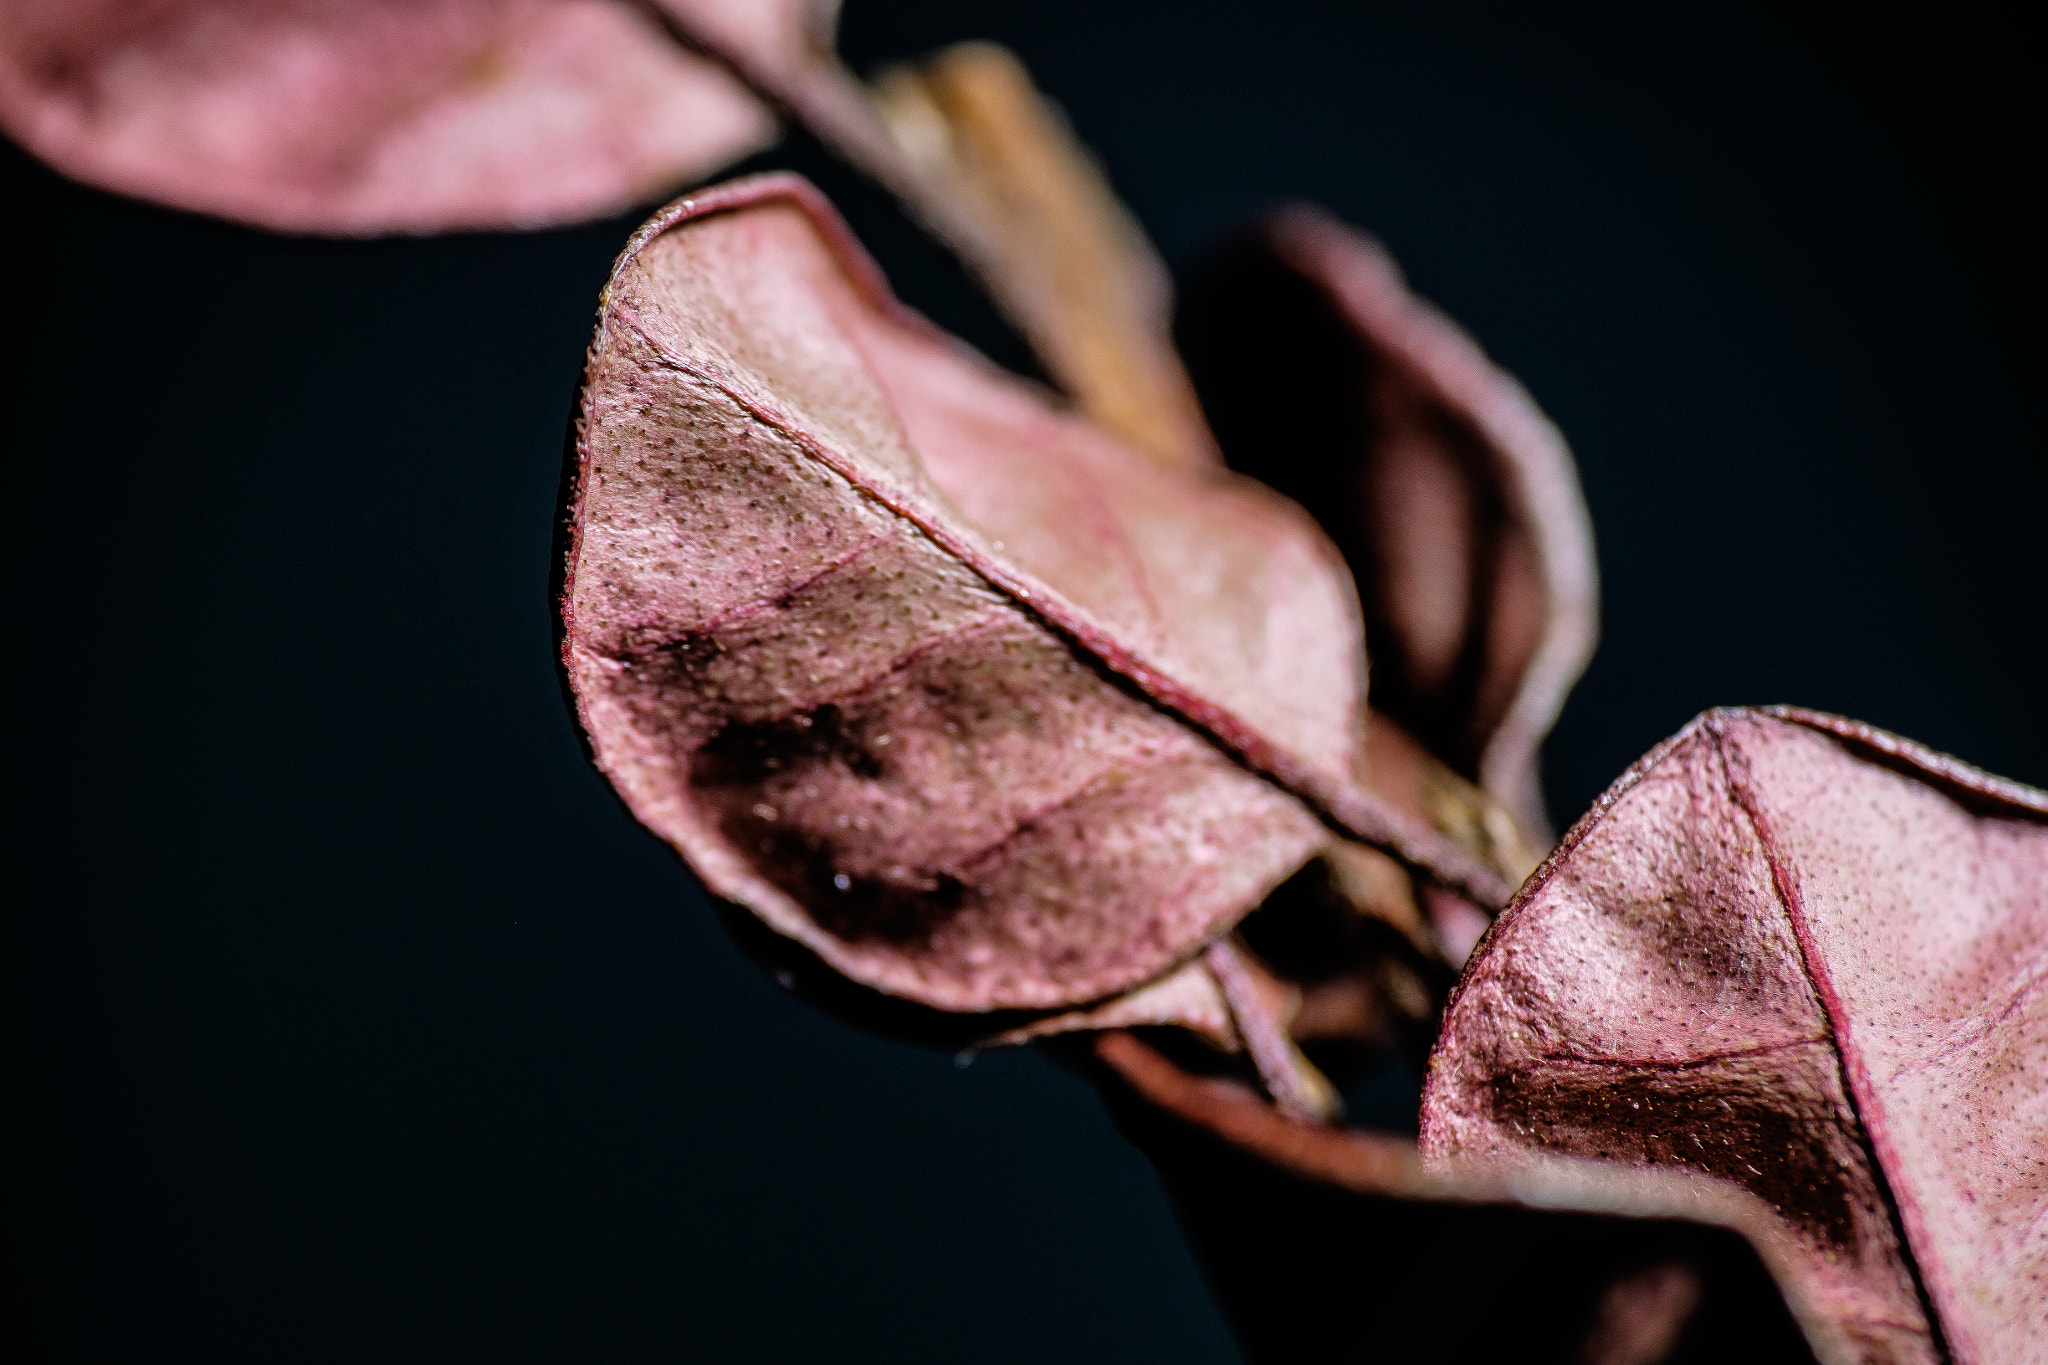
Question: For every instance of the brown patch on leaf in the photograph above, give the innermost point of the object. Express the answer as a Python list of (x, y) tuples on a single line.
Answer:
[(1801, 958), (981, 706)]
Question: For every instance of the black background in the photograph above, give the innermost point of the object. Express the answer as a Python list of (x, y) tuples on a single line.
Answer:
[(360, 1021)]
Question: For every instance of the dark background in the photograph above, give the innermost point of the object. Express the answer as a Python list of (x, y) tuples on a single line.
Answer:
[(360, 1022)]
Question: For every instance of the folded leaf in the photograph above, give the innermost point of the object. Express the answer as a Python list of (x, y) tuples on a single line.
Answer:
[(1797, 956), (981, 706), (369, 116), (1456, 507), (1451, 496)]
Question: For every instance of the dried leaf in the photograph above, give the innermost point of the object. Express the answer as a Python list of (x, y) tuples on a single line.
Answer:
[(1797, 956), (979, 705), (372, 115), (1786, 978), (1451, 496), (1455, 505)]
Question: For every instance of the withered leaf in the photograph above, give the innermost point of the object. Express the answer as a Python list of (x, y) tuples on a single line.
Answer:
[(486, 113), (1796, 956), (983, 707), (1787, 978), (1455, 504), (371, 116), (1453, 498)]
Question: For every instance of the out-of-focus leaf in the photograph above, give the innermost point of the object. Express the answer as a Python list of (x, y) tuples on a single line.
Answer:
[(1455, 504), (1796, 956), (372, 116), (1452, 497), (982, 707)]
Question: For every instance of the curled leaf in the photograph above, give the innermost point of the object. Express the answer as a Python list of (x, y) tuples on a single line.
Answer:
[(1451, 496), (1786, 978), (1456, 507), (979, 705), (1796, 956)]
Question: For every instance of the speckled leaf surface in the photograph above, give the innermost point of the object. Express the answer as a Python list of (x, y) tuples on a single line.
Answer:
[(1802, 957), (372, 116), (981, 706)]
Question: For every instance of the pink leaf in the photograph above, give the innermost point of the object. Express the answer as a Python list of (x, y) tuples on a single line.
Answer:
[(1453, 498), (979, 705), (1456, 507), (1800, 957), (368, 116)]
